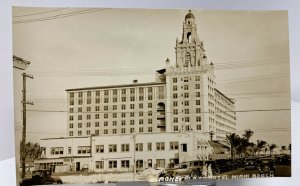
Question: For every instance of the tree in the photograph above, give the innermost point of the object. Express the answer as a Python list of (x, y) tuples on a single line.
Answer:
[(234, 141), (260, 145), (32, 151), (283, 148), (272, 147), (248, 134)]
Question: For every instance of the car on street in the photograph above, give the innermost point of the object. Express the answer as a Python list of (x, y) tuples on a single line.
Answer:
[(41, 177), (266, 165), (251, 163)]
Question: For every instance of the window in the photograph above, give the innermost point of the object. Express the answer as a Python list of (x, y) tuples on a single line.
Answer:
[(175, 103), (160, 146), (184, 147), (149, 105), (187, 59), (123, 130), (175, 120), (97, 132), (97, 108), (97, 116), (132, 91), (149, 121), (141, 113), (79, 125), (97, 100), (114, 131), (123, 99), (71, 118), (186, 79), (71, 102), (197, 102), (149, 113), (80, 94), (174, 145), (197, 94), (106, 92), (123, 91), (198, 110), (80, 102), (174, 87), (79, 133), (88, 132), (88, 124), (71, 125), (175, 128), (186, 111), (132, 98), (97, 93), (105, 115), (88, 116), (57, 150), (149, 146), (123, 122), (115, 99), (175, 95), (71, 110), (105, 100), (198, 118), (114, 123), (139, 147), (79, 117), (197, 78), (131, 114), (69, 150), (124, 163), (70, 133), (141, 105), (125, 148), (141, 121), (139, 163), (131, 130), (186, 119), (198, 127), (197, 86), (123, 107), (186, 103), (115, 107), (88, 101), (79, 109), (112, 148), (131, 122), (174, 80), (186, 95), (83, 149), (123, 114), (105, 131), (105, 123), (72, 95), (115, 115), (131, 106), (175, 111), (112, 164), (141, 129), (149, 129), (99, 164)]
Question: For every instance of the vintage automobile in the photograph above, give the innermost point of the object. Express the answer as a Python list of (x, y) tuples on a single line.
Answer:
[(266, 165), (41, 177), (191, 168), (251, 163)]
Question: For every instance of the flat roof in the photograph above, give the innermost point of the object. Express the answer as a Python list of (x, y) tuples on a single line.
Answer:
[(116, 86), (224, 96)]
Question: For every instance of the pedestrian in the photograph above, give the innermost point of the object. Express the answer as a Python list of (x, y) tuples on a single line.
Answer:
[(204, 170), (209, 171)]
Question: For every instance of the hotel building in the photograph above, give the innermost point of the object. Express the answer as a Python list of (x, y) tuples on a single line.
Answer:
[(156, 124)]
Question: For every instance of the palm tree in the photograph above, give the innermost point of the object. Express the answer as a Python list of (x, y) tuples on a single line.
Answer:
[(260, 145), (32, 151), (272, 147), (248, 134), (234, 141)]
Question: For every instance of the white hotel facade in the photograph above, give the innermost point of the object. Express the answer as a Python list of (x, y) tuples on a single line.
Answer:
[(155, 124)]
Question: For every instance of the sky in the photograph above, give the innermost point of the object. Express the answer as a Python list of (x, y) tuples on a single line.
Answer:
[(73, 48)]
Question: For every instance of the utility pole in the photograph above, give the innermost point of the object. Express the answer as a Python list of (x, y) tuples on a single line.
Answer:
[(24, 102)]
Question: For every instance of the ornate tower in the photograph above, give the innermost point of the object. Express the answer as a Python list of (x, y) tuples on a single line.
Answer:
[(190, 50)]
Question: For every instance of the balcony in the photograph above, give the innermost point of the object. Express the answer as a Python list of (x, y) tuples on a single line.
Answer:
[(161, 124), (161, 115)]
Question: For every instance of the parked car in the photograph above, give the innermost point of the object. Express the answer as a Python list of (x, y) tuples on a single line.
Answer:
[(251, 163), (41, 177), (266, 165), (191, 168)]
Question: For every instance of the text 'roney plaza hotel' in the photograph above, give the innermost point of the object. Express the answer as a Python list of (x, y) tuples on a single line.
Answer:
[(180, 116)]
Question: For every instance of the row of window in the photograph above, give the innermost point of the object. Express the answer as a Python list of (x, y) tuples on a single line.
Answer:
[(185, 79), (185, 128), (113, 131), (185, 87), (186, 103), (114, 107)]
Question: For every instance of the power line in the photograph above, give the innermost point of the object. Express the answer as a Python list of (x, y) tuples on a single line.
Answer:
[(38, 13), (59, 16)]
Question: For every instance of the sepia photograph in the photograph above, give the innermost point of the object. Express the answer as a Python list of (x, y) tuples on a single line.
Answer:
[(105, 95)]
